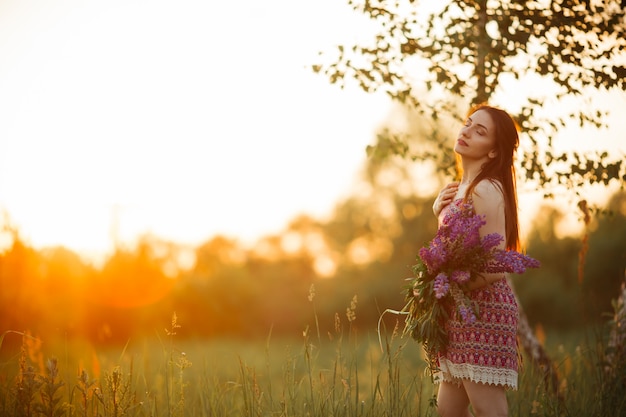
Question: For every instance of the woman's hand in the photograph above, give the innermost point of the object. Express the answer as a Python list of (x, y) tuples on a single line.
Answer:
[(445, 197)]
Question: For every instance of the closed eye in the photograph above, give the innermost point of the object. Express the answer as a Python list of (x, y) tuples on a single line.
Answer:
[(481, 129)]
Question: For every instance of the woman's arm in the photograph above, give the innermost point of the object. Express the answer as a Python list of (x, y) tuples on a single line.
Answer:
[(488, 201)]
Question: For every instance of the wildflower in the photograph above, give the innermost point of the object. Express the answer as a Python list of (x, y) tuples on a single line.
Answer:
[(491, 241), (511, 261), (441, 285), (467, 314), (351, 311), (434, 255), (461, 301), (460, 277), (453, 258)]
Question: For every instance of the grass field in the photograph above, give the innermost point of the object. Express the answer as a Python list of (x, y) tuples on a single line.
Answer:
[(341, 374)]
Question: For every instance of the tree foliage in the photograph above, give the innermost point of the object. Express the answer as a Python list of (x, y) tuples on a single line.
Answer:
[(234, 291), (555, 295), (440, 58)]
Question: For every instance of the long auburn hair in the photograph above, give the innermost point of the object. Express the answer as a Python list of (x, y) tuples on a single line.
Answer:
[(500, 170)]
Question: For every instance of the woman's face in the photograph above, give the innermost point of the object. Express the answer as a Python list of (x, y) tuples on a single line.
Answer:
[(477, 137)]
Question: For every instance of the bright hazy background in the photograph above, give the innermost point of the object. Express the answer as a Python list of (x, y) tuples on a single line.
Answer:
[(182, 119)]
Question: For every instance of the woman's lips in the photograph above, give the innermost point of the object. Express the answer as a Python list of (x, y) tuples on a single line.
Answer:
[(461, 142)]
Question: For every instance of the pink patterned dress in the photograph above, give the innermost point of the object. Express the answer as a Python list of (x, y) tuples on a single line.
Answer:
[(485, 351)]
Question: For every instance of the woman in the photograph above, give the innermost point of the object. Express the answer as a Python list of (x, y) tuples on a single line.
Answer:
[(481, 360)]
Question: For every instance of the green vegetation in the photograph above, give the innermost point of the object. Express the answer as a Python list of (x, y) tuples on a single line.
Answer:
[(78, 339), (232, 291), (262, 332), (250, 336), (344, 373)]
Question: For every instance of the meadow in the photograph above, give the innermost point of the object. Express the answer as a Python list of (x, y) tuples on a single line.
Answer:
[(242, 334), (342, 373)]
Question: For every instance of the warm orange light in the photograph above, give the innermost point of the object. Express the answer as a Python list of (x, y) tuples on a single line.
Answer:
[(130, 291)]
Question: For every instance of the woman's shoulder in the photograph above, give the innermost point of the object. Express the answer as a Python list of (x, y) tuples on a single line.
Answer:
[(487, 193), (488, 188)]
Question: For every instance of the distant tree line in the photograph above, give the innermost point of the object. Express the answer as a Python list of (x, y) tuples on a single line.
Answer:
[(311, 270)]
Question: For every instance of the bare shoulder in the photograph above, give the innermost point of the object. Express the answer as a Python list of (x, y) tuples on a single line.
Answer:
[(488, 189), (487, 196)]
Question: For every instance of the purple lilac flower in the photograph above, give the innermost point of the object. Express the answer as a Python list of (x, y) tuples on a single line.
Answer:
[(434, 256), (460, 276), (471, 240), (490, 241), (452, 257), (463, 232), (511, 261), (467, 314), (460, 299), (441, 285), (460, 229)]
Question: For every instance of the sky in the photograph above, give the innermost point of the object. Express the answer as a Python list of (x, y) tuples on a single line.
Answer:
[(181, 119)]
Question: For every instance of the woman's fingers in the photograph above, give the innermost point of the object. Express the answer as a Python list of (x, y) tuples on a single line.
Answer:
[(445, 197)]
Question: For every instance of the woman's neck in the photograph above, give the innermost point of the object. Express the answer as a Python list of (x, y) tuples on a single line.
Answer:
[(470, 172)]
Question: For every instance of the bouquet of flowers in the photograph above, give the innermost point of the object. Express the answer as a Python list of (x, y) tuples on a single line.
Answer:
[(455, 256)]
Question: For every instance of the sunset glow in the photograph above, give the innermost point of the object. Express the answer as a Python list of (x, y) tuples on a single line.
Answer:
[(131, 117), (127, 118)]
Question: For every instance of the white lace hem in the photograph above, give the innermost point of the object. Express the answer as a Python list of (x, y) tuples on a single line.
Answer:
[(455, 372)]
